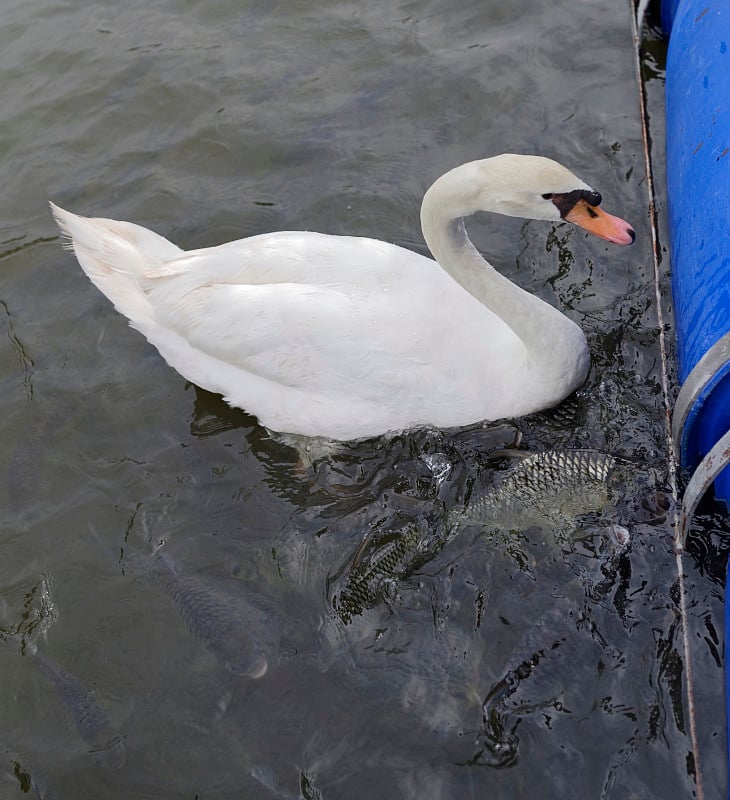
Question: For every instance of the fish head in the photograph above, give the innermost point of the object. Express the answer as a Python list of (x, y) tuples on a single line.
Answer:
[(253, 665)]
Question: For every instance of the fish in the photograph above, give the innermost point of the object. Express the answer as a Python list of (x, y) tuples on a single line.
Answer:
[(106, 743), (373, 576), (536, 675), (92, 723), (240, 636), (550, 488), (533, 660)]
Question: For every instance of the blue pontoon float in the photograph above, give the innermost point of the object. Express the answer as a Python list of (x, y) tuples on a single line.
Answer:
[(698, 191)]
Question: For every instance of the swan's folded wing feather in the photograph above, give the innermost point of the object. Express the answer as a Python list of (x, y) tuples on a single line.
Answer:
[(283, 332)]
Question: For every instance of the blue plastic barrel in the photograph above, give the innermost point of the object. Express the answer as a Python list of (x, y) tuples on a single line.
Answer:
[(669, 9), (698, 194)]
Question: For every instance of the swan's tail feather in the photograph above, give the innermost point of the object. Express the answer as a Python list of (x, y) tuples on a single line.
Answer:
[(116, 256)]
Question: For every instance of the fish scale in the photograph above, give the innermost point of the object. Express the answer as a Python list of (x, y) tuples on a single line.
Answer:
[(365, 584), (88, 717), (238, 635), (541, 477), (554, 486)]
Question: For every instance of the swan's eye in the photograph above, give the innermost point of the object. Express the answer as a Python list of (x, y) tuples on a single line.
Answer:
[(547, 196), (593, 198)]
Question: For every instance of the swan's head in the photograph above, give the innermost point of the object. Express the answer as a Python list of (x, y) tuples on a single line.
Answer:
[(533, 187)]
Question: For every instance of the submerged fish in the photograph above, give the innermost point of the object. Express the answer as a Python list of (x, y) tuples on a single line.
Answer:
[(531, 660), (92, 723), (106, 744), (552, 487), (373, 575), (239, 636)]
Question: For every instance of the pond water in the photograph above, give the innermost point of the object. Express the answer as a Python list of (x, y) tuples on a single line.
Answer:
[(528, 655)]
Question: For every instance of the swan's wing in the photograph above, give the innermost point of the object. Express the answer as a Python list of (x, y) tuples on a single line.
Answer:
[(287, 333), (300, 309)]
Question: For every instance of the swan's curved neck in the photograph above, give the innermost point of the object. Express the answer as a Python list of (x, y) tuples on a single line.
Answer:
[(444, 206)]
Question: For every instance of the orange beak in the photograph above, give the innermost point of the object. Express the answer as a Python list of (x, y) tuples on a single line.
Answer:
[(599, 223)]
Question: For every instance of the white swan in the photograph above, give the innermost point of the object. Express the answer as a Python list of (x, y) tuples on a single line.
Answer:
[(344, 337)]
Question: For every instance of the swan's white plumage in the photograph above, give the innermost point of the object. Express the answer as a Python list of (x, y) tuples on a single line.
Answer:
[(347, 337)]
